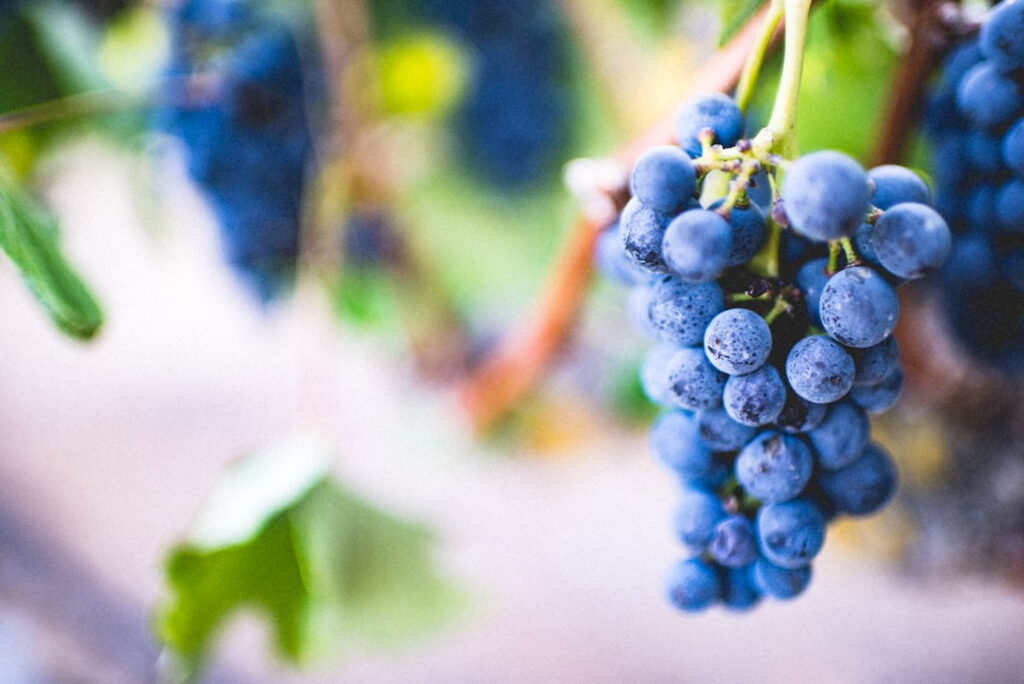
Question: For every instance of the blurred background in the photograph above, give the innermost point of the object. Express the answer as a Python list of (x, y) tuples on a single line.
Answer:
[(356, 411)]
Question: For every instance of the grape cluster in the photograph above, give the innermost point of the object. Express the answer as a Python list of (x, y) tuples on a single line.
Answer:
[(245, 131), (515, 120), (975, 122), (770, 354)]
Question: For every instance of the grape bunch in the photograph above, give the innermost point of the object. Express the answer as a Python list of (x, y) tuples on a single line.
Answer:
[(774, 329), (515, 120), (975, 123), (246, 136)]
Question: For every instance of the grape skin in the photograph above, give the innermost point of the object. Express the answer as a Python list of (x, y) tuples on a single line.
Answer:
[(737, 341), (733, 543), (693, 381), (858, 308), (1002, 35), (911, 240), (663, 179), (819, 370), (678, 312), (696, 245), (693, 585), (841, 437), (774, 467), (696, 516), (827, 195), (894, 184), (755, 399), (715, 111), (791, 533), (862, 487)]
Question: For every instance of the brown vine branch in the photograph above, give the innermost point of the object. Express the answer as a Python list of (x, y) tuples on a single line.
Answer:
[(932, 23), (517, 363)]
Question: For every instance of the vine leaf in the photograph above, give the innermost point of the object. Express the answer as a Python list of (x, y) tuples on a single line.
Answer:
[(733, 14), (30, 239), (328, 570)]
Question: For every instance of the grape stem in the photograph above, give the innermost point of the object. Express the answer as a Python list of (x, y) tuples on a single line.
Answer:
[(833, 257), (780, 134), (745, 87), (781, 306)]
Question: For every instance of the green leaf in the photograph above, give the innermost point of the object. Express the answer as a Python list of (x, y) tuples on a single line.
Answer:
[(29, 237), (733, 14), (327, 569)]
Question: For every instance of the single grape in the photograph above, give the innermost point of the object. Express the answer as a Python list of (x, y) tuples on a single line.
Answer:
[(693, 381), (984, 151), (755, 399), (790, 533), (876, 363), (720, 432), (841, 437), (1013, 148), (911, 240), (696, 517), (739, 589), (895, 184), (988, 97), (863, 243), (858, 308), (654, 374), (737, 341), (780, 583), (1002, 35), (811, 279), (819, 369), (749, 229), (827, 195), (879, 398), (862, 487), (800, 415), (693, 585), (678, 312), (676, 443), (697, 245), (641, 231), (663, 179), (733, 542), (715, 111), (774, 467), (1010, 206), (612, 261)]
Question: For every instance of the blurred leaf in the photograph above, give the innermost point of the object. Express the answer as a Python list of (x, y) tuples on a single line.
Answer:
[(733, 14), (29, 237), (327, 569)]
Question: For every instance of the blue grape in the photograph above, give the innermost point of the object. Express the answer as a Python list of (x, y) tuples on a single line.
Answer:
[(984, 151), (863, 242), (876, 363), (654, 374), (895, 184), (1002, 35), (678, 311), (737, 341), (1013, 148), (696, 516), (749, 229), (827, 195), (774, 467), (862, 487), (800, 415), (959, 62), (676, 442), (755, 399), (693, 381), (780, 583), (715, 111), (1010, 206), (739, 590), (693, 585), (611, 259), (819, 370), (841, 437), (790, 533), (880, 397), (811, 279), (641, 231), (980, 209), (697, 245), (663, 179), (988, 97), (858, 308), (720, 432), (733, 542), (911, 240)]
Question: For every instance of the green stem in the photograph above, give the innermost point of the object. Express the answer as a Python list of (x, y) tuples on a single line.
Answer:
[(781, 306), (738, 297), (780, 134), (745, 86), (849, 251), (833, 257)]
